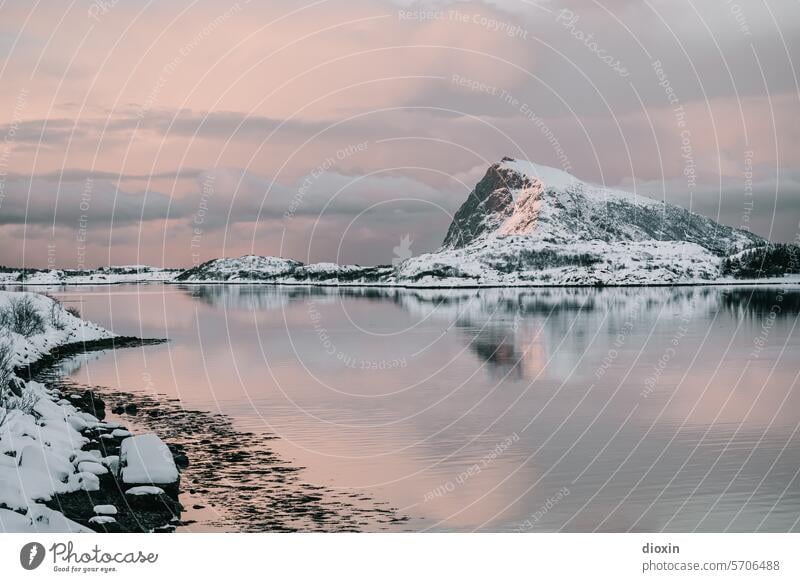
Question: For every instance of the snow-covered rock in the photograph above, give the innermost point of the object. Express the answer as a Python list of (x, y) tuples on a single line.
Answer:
[(39, 519), (146, 460), (142, 490), (92, 467), (105, 510), (102, 519)]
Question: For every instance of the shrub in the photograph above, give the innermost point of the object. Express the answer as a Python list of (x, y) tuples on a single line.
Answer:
[(74, 311), (6, 371), (24, 403), (22, 317), (773, 260), (56, 310)]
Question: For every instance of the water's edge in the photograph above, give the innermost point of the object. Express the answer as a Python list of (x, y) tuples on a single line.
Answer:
[(230, 480)]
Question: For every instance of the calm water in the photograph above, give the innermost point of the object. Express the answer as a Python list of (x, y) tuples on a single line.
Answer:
[(534, 410)]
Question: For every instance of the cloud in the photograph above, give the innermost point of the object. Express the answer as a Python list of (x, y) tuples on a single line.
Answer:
[(82, 175), (74, 205)]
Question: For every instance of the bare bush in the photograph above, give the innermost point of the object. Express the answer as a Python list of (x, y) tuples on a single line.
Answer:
[(74, 311), (6, 364), (22, 317), (56, 311), (24, 403)]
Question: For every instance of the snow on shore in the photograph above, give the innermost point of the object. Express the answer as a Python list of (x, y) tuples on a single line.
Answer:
[(41, 435), (102, 276), (59, 327)]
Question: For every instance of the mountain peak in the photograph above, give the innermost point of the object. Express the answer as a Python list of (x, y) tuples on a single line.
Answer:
[(549, 177)]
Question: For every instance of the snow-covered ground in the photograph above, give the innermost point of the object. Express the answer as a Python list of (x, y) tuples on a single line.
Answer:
[(101, 276), (508, 261), (41, 435)]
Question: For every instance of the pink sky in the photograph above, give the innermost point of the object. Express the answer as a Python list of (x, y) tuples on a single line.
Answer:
[(169, 133)]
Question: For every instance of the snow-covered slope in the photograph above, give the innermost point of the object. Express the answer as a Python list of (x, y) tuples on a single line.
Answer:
[(58, 327)]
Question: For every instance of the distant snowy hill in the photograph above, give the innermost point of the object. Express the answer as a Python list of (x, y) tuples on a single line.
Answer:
[(100, 276), (249, 267), (254, 268)]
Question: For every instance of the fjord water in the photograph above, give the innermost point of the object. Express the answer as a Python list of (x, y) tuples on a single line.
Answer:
[(642, 409)]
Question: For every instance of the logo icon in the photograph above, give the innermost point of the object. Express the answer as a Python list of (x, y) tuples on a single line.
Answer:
[(403, 250), (31, 555)]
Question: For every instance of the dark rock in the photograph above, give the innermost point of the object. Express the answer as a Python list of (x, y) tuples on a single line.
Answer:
[(94, 404), (113, 527), (159, 502), (15, 386)]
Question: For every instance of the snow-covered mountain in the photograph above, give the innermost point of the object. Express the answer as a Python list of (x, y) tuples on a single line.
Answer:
[(530, 224), (549, 205)]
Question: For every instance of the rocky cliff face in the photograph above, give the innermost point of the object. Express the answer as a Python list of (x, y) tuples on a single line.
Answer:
[(488, 206)]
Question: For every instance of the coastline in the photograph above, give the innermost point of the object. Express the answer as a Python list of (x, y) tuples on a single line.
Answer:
[(725, 283), (773, 281), (226, 479), (151, 512)]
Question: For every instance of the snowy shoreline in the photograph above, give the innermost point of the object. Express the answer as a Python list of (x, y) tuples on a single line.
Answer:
[(62, 468), (774, 281), (440, 284)]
